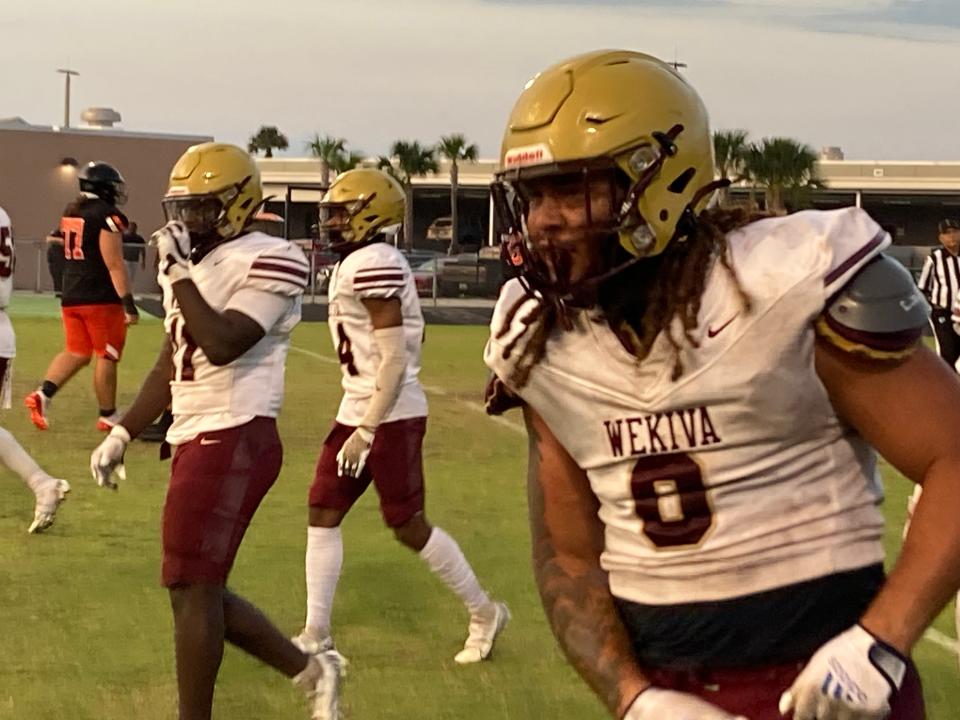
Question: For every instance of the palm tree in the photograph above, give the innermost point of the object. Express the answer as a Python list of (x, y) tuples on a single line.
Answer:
[(329, 150), (386, 164), (412, 159), (347, 160), (729, 150), (455, 148), (267, 138), (786, 168)]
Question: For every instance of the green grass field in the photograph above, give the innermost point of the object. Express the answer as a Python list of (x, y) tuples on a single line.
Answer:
[(85, 631)]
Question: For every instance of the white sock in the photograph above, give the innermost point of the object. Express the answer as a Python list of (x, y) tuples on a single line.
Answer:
[(323, 563), (18, 461), (446, 561)]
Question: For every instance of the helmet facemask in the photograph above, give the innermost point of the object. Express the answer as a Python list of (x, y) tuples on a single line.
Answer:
[(343, 225), (623, 241), (114, 193), (207, 217)]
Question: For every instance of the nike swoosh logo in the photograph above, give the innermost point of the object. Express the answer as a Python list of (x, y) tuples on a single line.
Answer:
[(713, 332), (208, 441), (907, 305)]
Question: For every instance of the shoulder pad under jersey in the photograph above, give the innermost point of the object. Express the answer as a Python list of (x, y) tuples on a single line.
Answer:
[(879, 311)]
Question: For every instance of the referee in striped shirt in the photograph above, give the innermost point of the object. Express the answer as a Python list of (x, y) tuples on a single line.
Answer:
[(940, 282)]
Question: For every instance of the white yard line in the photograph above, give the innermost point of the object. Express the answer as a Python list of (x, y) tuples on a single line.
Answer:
[(438, 391), (932, 635)]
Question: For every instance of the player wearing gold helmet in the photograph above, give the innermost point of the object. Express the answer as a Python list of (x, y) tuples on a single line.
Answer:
[(703, 390), (231, 298), (377, 329)]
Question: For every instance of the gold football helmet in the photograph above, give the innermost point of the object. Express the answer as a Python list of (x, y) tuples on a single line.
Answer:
[(617, 112), (215, 191), (361, 203)]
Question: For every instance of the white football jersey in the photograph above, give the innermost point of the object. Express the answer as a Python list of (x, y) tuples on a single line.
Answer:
[(739, 477), (379, 271), (251, 274), (8, 340), (6, 259)]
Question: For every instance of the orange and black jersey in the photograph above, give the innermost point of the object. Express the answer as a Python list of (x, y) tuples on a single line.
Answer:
[(86, 279)]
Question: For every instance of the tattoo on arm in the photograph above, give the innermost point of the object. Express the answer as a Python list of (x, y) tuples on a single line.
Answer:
[(578, 604)]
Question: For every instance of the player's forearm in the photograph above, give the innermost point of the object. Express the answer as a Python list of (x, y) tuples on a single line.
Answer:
[(581, 613), (153, 399), (120, 280), (213, 332), (393, 366), (927, 573)]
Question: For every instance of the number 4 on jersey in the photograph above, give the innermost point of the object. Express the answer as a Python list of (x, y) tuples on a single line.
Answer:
[(345, 351)]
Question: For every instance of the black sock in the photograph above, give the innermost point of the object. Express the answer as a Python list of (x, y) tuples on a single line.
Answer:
[(107, 413), (48, 388)]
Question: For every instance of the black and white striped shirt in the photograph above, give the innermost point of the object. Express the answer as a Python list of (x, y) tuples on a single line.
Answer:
[(940, 279)]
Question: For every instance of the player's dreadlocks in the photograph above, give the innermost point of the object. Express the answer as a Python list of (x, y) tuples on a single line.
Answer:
[(642, 301)]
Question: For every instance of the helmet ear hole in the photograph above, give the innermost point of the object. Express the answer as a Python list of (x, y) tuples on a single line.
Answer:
[(664, 216)]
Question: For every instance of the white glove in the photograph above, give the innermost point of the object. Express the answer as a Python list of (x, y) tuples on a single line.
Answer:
[(850, 678), (108, 458), (658, 704), (519, 324), (173, 249), (353, 454)]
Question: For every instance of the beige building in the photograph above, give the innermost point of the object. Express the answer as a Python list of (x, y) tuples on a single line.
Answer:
[(38, 177), (909, 198)]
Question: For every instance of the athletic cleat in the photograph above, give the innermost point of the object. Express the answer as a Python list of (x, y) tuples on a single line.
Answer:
[(311, 643), (484, 629), (320, 681), (48, 501), (36, 402), (106, 423)]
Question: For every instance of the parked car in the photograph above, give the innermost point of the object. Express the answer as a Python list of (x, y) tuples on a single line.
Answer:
[(441, 229), (423, 274), (462, 274), (470, 232), (417, 257), (324, 260)]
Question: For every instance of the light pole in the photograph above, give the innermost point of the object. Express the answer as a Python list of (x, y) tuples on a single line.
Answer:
[(66, 95), (676, 63)]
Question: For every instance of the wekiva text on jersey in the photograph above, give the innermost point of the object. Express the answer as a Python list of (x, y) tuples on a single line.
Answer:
[(663, 432)]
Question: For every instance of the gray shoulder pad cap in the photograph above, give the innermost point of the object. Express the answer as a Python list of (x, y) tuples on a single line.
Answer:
[(881, 298)]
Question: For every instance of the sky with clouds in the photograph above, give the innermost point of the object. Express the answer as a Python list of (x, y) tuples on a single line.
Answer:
[(880, 78)]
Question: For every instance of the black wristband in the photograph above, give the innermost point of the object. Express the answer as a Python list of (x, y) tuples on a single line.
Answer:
[(129, 306)]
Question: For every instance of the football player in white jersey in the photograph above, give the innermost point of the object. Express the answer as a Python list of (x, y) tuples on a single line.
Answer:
[(48, 491), (377, 327), (703, 391), (231, 299)]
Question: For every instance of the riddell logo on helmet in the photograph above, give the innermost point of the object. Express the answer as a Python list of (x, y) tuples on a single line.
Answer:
[(527, 155)]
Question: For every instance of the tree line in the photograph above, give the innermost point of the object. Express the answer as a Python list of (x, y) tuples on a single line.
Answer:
[(782, 168), (406, 160)]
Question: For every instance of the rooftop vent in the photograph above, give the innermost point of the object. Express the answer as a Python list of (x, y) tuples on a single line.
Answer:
[(100, 117)]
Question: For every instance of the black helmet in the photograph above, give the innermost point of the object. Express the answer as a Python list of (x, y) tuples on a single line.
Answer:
[(105, 181)]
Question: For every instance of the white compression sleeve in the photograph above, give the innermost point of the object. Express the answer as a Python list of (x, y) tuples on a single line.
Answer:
[(324, 561), (18, 460), (393, 365)]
